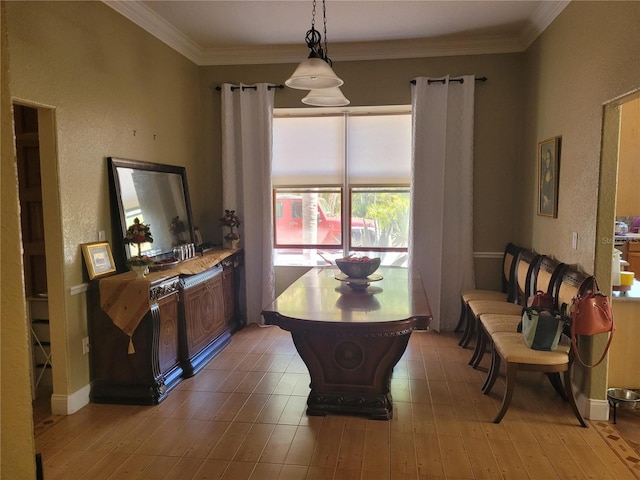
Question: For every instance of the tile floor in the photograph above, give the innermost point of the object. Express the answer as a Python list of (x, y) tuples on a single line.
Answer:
[(243, 417)]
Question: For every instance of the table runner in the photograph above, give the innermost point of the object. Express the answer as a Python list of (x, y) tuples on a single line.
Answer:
[(125, 298)]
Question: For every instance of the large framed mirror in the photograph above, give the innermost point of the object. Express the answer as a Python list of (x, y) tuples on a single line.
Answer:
[(158, 196)]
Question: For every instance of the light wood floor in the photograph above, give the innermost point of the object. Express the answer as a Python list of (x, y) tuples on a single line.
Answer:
[(243, 417)]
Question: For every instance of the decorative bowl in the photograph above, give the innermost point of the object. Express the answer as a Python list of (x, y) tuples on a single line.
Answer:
[(164, 264), (358, 267)]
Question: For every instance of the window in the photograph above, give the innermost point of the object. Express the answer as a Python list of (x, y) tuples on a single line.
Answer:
[(329, 166), (380, 218)]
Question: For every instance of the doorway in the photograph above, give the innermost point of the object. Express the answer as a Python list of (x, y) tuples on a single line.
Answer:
[(622, 364), (628, 195), (608, 184), (34, 256), (36, 156)]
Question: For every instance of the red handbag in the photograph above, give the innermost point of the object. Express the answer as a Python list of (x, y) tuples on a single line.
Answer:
[(591, 315), (540, 300)]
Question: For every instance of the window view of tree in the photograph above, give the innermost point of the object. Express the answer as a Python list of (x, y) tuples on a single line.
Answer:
[(388, 208)]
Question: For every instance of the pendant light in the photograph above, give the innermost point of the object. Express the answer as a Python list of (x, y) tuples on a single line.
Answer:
[(326, 97), (315, 72)]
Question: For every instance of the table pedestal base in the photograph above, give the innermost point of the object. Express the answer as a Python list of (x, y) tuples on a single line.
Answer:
[(377, 407), (351, 373)]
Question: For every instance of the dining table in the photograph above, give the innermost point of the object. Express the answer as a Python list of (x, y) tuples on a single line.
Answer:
[(351, 333)]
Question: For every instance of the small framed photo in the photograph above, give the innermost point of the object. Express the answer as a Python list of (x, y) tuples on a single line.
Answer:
[(548, 177), (97, 256)]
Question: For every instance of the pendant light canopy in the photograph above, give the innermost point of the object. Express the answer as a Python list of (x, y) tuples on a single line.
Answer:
[(315, 72), (326, 97)]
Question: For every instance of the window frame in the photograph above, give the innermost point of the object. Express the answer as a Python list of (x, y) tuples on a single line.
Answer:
[(346, 189)]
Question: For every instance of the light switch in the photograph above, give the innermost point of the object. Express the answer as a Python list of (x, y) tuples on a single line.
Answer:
[(101, 236), (574, 240)]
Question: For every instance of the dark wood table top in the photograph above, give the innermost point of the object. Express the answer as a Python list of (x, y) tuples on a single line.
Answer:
[(318, 297)]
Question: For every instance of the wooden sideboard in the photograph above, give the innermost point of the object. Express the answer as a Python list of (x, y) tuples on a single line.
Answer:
[(148, 334)]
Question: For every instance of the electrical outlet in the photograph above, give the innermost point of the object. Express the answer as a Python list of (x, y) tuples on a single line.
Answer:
[(85, 345)]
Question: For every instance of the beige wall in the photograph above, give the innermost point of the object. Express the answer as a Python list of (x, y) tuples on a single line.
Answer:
[(587, 57), (103, 78), (17, 448)]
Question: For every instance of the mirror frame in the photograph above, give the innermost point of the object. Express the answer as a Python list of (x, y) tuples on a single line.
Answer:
[(118, 216)]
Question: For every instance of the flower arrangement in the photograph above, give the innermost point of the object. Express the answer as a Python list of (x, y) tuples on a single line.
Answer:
[(138, 233), (232, 221), (140, 261)]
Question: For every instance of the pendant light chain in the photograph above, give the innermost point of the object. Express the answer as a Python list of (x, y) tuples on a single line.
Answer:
[(314, 37), (315, 73), (324, 16)]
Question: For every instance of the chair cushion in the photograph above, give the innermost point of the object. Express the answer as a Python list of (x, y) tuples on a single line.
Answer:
[(469, 295), (493, 322), (479, 307), (511, 347)]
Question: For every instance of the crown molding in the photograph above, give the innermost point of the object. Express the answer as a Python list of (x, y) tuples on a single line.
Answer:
[(157, 26), (542, 18), (148, 20), (397, 49)]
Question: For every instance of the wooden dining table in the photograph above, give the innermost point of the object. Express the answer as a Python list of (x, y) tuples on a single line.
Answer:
[(351, 334)]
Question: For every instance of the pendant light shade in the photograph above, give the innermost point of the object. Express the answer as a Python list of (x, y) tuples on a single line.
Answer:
[(313, 73), (326, 97)]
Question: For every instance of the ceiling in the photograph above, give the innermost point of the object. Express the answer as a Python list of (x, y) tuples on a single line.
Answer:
[(272, 31)]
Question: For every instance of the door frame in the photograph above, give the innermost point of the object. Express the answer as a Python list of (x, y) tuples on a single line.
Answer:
[(54, 250), (608, 186)]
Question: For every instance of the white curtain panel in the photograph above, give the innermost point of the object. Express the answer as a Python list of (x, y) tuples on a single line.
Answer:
[(441, 237), (247, 115)]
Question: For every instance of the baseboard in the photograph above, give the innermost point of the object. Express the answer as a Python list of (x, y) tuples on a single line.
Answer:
[(68, 404), (591, 408)]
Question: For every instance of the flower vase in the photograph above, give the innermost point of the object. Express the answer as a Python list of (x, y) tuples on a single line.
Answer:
[(141, 270), (235, 243)]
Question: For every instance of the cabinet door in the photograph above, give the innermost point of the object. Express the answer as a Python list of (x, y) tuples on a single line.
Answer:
[(168, 344), (633, 257), (203, 314), (624, 362), (634, 263), (228, 286)]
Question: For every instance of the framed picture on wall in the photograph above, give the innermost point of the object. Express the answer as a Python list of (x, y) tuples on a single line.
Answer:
[(548, 177), (97, 256)]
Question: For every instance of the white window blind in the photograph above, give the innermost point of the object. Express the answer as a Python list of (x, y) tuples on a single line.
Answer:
[(308, 151), (316, 150), (379, 149)]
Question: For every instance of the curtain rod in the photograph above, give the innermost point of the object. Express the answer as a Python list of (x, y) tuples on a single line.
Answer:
[(442, 80), (249, 87), (413, 82)]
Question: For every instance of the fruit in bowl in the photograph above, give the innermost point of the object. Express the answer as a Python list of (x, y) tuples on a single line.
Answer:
[(358, 267)]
